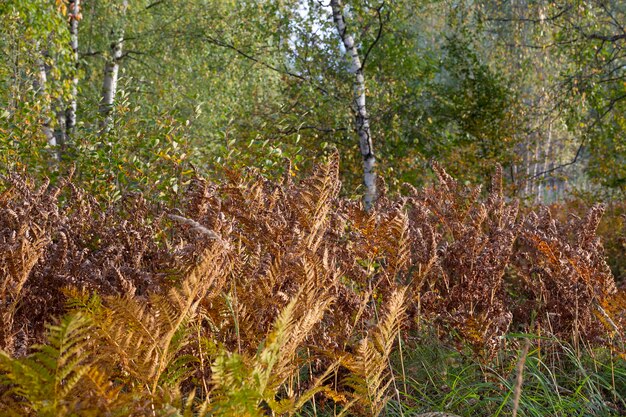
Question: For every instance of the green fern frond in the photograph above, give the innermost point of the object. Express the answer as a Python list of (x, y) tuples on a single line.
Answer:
[(178, 370), (236, 392), (48, 378), (241, 385)]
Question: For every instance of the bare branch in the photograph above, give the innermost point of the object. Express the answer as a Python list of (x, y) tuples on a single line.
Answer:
[(378, 35), (529, 20), (154, 4), (198, 228), (253, 58), (605, 38), (294, 129)]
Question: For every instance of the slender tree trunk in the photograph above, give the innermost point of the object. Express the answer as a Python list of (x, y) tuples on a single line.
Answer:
[(70, 112), (41, 85), (59, 128), (526, 168), (111, 69), (535, 180), (362, 118), (547, 154)]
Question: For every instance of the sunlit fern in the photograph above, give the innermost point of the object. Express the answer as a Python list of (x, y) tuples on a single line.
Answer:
[(49, 378), (316, 194), (146, 339), (243, 386), (369, 366)]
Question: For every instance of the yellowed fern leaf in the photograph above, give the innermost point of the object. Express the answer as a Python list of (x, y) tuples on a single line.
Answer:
[(370, 377)]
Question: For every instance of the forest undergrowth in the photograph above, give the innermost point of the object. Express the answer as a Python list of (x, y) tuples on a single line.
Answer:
[(256, 297)]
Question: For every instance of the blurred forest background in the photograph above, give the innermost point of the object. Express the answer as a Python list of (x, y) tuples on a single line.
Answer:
[(137, 94)]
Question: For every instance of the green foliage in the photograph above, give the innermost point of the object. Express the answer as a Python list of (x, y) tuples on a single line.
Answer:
[(557, 380), (464, 84), (474, 111), (33, 35), (276, 85)]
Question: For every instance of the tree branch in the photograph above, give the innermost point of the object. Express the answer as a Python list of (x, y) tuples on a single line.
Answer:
[(605, 38), (291, 130), (529, 20), (378, 35), (154, 4), (252, 58)]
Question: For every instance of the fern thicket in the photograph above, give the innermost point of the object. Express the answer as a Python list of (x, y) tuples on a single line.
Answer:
[(256, 296), (25, 232)]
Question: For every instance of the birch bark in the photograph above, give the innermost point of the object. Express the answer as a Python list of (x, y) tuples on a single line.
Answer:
[(111, 70), (70, 112), (359, 102), (40, 84), (59, 128)]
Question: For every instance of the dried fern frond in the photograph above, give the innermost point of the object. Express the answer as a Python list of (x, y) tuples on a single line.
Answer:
[(241, 385), (316, 195), (460, 284), (566, 274), (25, 228), (147, 337), (369, 366)]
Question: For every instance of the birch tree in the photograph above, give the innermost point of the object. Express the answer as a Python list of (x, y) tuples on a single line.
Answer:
[(359, 101), (40, 84), (111, 70), (65, 112), (70, 112)]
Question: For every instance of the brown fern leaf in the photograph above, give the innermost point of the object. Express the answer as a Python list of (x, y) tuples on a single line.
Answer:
[(460, 284), (26, 224), (146, 338), (566, 274)]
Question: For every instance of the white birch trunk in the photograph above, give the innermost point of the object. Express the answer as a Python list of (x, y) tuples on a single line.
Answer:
[(111, 70), (535, 180), (547, 154), (362, 118), (59, 128), (70, 112), (40, 85)]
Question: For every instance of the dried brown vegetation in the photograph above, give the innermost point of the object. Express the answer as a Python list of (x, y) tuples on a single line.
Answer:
[(251, 282), (566, 276)]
